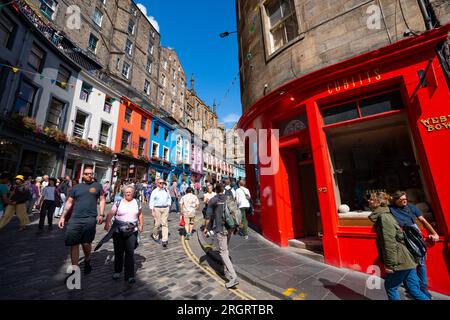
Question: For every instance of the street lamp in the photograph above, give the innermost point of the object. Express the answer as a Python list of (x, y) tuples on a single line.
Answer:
[(226, 34)]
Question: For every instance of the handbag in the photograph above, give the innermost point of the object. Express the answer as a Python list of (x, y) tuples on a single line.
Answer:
[(127, 229), (414, 241), (182, 222)]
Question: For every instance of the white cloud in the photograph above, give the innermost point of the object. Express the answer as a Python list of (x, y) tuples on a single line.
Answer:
[(152, 19), (231, 118)]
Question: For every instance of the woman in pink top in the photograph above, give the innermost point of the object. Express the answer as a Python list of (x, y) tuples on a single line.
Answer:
[(127, 211)]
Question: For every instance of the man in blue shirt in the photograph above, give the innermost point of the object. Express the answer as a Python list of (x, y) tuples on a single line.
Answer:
[(406, 214), (160, 202)]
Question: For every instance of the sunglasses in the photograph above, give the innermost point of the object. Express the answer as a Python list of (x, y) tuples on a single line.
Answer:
[(88, 174)]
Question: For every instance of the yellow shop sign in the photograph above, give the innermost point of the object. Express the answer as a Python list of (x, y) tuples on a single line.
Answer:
[(436, 123)]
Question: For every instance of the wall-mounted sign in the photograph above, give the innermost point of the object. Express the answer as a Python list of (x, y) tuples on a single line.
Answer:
[(436, 123), (355, 81)]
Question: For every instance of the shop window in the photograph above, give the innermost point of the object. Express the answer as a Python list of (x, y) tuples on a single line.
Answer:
[(7, 31), (293, 125), (36, 58), (125, 140), (370, 106), (54, 114), (374, 155), (104, 134), (25, 99), (80, 124)]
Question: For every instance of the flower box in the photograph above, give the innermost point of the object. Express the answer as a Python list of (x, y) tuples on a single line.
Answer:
[(82, 143), (127, 152)]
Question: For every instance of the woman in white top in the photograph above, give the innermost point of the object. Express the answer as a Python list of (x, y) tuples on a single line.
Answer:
[(189, 205), (208, 196), (126, 211), (242, 200)]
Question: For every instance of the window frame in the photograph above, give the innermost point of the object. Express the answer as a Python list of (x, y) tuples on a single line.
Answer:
[(168, 153), (133, 31), (59, 83), (147, 87), (108, 135), (51, 8), (30, 105), (60, 120), (96, 11), (143, 147), (92, 36), (129, 47), (156, 129), (10, 33), (143, 122), (128, 140), (86, 116), (127, 75), (42, 59), (154, 143), (265, 22), (128, 115)]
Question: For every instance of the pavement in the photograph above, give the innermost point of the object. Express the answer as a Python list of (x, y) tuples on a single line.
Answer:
[(34, 267), (289, 275)]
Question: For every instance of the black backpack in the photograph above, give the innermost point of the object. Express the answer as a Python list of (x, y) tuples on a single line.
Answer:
[(229, 194), (414, 241)]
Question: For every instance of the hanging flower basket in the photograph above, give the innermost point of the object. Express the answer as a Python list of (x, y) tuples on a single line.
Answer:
[(82, 143), (127, 152), (29, 123), (144, 158), (104, 149)]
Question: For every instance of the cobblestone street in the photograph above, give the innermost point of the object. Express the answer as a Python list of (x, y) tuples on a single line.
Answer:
[(34, 267)]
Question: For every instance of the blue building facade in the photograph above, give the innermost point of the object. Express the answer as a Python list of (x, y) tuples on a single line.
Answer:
[(181, 155), (160, 150)]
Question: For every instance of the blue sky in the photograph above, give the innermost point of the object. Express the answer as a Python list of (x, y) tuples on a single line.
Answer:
[(192, 28)]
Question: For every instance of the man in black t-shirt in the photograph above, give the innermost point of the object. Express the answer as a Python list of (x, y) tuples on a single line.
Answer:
[(81, 227)]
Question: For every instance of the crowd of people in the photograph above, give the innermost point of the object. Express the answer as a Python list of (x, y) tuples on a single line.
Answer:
[(226, 207)]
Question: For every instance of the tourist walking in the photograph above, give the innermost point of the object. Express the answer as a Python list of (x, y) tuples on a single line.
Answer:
[(49, 201), (175, 195), (35, 196), (160, 202), (183, 188), (406, 214), (63, 190), (215, 221), (208, 196), (17, 204), (189, 204), (4, 193), (124, 231), (80, 229), (243, 202), (399, 263)]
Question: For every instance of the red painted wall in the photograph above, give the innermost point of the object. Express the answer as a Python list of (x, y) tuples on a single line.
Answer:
[(394, 66), (134, 127)]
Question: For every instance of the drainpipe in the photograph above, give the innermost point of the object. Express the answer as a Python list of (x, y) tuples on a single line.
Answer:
[(428, 14)]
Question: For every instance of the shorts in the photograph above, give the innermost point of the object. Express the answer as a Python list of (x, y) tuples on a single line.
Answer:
[(80, 232)]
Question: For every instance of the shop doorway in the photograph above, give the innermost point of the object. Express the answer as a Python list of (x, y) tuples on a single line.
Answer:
[(301, 199)]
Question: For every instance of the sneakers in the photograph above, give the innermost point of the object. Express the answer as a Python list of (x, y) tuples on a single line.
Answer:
[(188, 235), (164, 244), (246, 237), (87, 266), (131, 280), (232, 283), (116, 276), (156, 240)]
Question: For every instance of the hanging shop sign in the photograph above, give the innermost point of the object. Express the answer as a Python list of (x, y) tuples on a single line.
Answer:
[(436, 123)]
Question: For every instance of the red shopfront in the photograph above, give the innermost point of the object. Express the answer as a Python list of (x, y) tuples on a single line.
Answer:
[(378, 121)]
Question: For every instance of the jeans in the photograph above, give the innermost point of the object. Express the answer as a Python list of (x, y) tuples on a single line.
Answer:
[(124, 246), (30, 205), (422, 275), (47, 210), (177, 204), (394, 280)]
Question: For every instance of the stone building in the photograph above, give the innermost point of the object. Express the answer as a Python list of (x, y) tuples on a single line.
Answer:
[(172, 84), (118, 36), (353, 97)]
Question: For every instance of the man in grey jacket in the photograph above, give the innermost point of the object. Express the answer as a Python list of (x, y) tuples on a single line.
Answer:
[(215, 221)]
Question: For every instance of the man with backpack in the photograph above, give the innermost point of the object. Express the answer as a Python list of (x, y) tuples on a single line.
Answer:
[(229, 191), (220, 217)]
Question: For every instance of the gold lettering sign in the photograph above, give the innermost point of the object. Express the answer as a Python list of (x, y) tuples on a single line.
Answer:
[(436, 123), (357, 80)]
